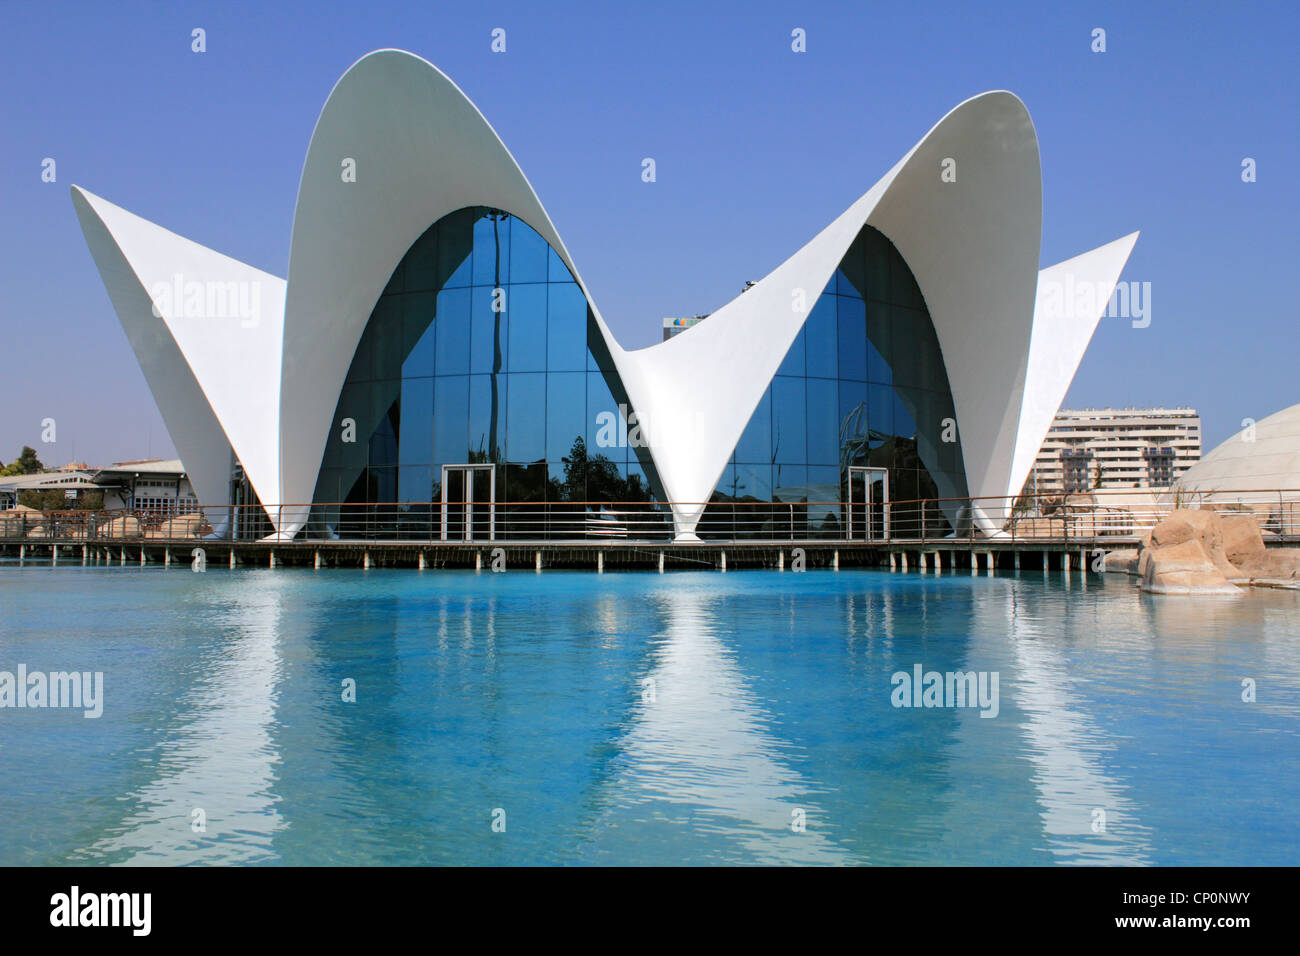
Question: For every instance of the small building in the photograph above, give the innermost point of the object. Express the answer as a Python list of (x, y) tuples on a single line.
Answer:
[(151, 485), (72, 481)]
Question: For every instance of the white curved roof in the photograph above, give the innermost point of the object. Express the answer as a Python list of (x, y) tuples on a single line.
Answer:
[(1263, 459), (421, 149), (215, 373)]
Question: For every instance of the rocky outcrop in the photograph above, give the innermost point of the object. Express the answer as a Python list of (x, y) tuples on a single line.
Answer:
[(1205, 527), (1201, 552), (1183, 568), (1279, 568)]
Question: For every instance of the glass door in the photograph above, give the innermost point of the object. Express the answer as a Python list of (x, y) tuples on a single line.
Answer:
[(868, 504), (469, 502)]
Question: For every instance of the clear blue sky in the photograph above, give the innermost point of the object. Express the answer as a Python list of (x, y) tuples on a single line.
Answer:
[(757, 149)]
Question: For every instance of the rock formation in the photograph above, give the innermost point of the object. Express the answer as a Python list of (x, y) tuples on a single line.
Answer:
[(1201, 552)]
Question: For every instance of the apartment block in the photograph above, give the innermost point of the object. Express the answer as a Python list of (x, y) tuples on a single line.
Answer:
[(1110, 448)]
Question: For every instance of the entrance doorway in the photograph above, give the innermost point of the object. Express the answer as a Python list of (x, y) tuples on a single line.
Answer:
[(469, 495), (868, 504)]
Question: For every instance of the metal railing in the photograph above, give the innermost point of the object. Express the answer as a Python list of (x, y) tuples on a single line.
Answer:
[(1028, 519)]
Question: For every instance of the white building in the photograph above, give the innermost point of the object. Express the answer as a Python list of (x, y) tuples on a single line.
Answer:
[(436, 347), (155, 486), (1109, 449), (71, 481), (1259, 464)]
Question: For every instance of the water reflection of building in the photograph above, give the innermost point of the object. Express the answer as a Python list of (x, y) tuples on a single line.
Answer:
[(699, 755), (218, 756)]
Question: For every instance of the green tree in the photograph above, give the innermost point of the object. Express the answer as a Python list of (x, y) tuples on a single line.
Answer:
[(596, 478), (25, 464)]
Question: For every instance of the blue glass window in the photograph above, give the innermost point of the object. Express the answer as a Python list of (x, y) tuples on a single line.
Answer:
[(789, 420), (491, 251), (527, 307), (755, 444), (416, 441), (527, 422), (566, 349), (793, 363), (489, 330), (528, 252), (452, 324), (418, 333), (566, 408), (852, 323), (823, 422), (606, 422), (487, 416), (451, 426), (441, 378), (821, 340)]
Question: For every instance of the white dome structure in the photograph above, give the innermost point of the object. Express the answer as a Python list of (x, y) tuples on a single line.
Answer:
[(1258, 465), (950, 351)]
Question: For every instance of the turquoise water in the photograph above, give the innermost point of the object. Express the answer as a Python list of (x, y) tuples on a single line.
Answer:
[(644, 718)]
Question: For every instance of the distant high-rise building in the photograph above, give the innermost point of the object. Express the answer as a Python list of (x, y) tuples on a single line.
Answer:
[(674, 326), (1113, 448)]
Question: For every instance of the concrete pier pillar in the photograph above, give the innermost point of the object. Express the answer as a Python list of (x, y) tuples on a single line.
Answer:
[(167, 557), (22, 551), (122, 557), (143, 559), (85, 553), (478, 561), (233, 561), (780, 560), (903, 557), (1015, 560), (661, 562), (272, 562), (365, 561), (922, 562), (422, 564), (835, 560), (537, 561), (54, 554), (723, 565), (600, 562), (1065, 562), (315, 563), (893, 561)]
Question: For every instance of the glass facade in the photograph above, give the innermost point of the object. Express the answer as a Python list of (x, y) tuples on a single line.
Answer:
[(482, 350), (863, 385), (482, 367)]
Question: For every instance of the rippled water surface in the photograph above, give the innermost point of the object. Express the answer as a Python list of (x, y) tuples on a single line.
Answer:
[(645, 718)]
